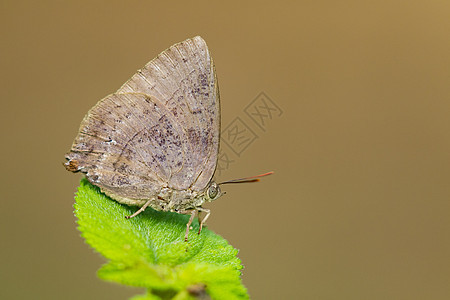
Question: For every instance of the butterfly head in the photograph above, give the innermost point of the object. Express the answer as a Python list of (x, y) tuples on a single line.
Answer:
[(213, 192)]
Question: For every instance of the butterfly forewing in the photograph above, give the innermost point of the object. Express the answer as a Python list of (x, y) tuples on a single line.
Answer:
[(183, 79)]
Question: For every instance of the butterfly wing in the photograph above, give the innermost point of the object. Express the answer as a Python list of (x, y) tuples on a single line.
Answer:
[(161, 128), (184, 80)]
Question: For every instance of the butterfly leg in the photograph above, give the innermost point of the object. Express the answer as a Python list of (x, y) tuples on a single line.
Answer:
[(188, 225), (140, 209), (203, 220)]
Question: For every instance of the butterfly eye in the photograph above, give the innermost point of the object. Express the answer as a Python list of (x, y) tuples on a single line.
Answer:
[(213, 191)]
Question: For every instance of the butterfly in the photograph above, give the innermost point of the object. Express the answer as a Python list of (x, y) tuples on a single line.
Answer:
[(155, 141)]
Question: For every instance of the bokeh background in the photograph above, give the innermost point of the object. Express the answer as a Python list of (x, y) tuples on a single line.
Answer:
[(359, 205)]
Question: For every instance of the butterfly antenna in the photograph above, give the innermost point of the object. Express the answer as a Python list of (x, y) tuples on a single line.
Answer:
[(247, 179)]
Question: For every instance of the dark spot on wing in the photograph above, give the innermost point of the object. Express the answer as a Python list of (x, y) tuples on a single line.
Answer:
[(72, 166), (161, 158), (194, 136), (121, 180)]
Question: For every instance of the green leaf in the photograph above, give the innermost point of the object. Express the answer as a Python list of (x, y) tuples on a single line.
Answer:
[(149, 250)]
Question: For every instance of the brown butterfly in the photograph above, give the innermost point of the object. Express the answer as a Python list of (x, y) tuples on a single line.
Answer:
[(155, 141)]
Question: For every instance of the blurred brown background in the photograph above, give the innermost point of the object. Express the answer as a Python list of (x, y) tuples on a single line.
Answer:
[(359, 206)]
